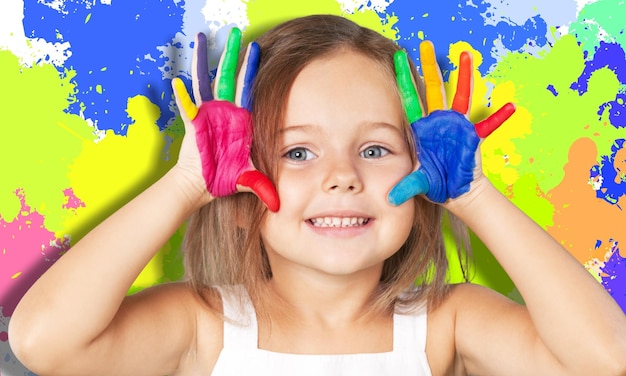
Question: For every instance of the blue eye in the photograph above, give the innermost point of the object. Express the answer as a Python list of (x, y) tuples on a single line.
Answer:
[(374, 152), (299, 154)]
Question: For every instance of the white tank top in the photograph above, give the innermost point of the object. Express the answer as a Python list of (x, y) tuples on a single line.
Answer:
[(241, 355)]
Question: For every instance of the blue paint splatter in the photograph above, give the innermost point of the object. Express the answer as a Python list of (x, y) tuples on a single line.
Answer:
[(616, 111), (114, 53), (611, 187), (607, 55), (448, 22), (552, 89), (611, 56), (614, 279)]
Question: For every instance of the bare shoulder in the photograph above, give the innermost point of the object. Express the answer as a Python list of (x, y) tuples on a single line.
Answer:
[(203, 316), (209, 330), (164, 321), (440, 341), (484, 332)]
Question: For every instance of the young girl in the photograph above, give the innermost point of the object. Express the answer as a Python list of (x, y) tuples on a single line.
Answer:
[(320, 281)]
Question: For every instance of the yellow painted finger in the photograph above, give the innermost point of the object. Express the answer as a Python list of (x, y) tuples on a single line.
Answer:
[(435, 91), (183, 100)]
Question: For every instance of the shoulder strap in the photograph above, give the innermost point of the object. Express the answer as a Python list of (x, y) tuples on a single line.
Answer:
[(240, 325), (409, 330)]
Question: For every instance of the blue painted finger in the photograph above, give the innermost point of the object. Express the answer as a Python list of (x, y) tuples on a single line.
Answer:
[(411, 185), (251, 67)]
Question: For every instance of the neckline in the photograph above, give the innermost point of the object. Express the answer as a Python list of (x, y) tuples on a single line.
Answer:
[(241, 327)]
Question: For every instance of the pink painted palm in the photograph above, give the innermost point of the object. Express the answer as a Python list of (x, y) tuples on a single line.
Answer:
[(222, 124)]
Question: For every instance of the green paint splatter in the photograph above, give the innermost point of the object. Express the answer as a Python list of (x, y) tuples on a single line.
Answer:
[(38, 139), (557, 120), (599, 21), (265, 14)]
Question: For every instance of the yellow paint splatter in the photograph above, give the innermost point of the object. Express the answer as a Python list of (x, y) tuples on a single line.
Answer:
[(111, 172)]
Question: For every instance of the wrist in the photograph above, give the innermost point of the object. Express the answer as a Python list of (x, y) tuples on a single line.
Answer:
[(480, 190), (193, 188)]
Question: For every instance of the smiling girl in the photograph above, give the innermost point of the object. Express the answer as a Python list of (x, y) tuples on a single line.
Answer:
[(318, 276)]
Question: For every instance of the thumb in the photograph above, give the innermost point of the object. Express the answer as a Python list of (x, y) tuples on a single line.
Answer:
[(259, 184), (416, 183)]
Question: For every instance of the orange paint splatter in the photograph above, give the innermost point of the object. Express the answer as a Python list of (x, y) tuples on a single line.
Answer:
[(581, 219)]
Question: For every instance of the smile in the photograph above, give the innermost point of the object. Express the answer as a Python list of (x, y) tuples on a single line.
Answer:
[(338, 221)]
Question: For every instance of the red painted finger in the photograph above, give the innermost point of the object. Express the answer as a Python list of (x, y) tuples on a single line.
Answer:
[(261, 186), (487, 126), (463, 94)]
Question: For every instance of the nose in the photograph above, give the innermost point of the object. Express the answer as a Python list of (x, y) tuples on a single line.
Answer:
[(342, 177)]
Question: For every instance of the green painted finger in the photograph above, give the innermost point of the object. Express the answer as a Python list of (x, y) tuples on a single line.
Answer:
[(225, 80), (406, 85)]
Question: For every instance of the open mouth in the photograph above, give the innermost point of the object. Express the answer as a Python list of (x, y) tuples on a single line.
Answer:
[(339, 222)]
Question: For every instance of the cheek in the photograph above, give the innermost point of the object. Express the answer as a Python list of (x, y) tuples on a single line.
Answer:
[(389, 175), (405, 216)]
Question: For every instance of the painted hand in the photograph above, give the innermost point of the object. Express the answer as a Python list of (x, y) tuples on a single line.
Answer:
[(446, 141), (223, 125)]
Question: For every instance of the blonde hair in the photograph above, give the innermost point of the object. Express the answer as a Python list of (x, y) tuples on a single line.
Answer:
[(223, 244)]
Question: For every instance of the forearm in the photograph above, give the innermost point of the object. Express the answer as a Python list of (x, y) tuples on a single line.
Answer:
[(570, 310), (77, 298)]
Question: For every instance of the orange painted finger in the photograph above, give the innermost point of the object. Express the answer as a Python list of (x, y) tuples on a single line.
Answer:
[(493, 122), (464, 85), (435, 91)]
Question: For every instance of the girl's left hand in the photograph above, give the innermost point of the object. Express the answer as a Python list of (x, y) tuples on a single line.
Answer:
[(447, 142)]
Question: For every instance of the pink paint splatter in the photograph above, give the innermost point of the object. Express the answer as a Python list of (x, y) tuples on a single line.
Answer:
[(27, 250), (73, 202)]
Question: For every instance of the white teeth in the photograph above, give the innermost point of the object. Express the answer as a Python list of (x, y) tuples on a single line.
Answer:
[(338, 221)]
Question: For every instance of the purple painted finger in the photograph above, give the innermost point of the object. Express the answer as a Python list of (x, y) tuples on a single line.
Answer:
[(202, 69)]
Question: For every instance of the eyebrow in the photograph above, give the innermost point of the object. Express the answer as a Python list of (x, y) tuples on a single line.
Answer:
[(310, 128)]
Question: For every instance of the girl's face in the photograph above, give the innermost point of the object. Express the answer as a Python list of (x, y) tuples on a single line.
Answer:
[(343, 149)]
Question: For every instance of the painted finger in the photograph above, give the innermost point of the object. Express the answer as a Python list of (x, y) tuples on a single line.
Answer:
[(406, 85), (261, 186), (411, 185), (201, 81), (247, 75), (227, 68), (435, 91), (465, 82), (493, 122), (187, 108)]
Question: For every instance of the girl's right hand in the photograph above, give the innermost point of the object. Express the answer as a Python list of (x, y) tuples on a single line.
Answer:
[(217, 157)]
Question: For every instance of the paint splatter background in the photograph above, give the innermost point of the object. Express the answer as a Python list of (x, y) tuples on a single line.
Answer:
[(87, 119)]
